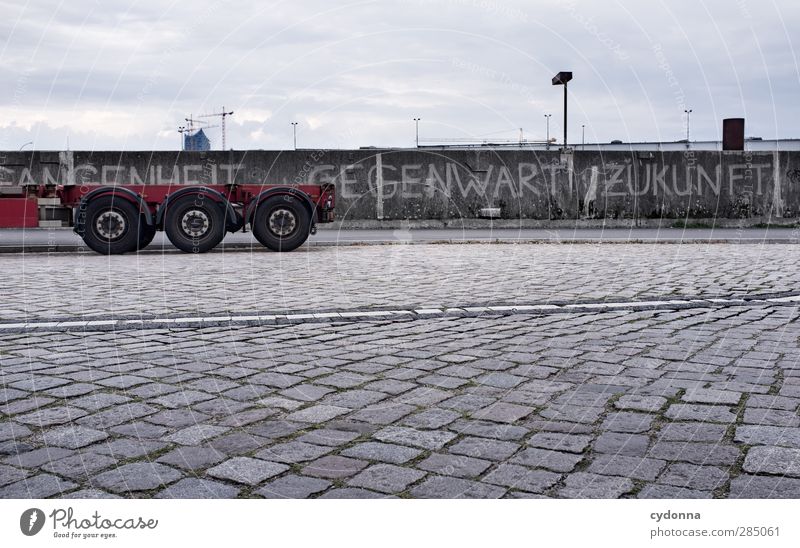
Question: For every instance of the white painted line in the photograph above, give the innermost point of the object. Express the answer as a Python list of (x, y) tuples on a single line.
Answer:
[(388, 314)]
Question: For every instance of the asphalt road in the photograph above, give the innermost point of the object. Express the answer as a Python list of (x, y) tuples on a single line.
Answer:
[(52, 240)]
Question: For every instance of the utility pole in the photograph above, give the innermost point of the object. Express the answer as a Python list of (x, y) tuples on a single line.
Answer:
[(294, 134), (547, 120), (687, 112), (416, 124)]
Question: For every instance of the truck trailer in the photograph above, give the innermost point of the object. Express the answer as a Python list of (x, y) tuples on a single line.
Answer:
[(125, 218)]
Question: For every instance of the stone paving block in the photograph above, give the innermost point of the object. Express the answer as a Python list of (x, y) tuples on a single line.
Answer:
[(633, 445), (439, 487), (293, 487), (431, 419), (748, 486), (196, 488), (592, 486), (37, 457), (317, 414), (391, 386), (142, 476), (87, 494), (629, 467), (221, 407), (500, 379), (345, 380), (306, 392), (561, 442), (426, 439), (275, 429), (12, 431), (184, 398), (197, 434), (334, 467), (454, 465), (38, 383), (382, 452), (81, 466), (51, 416), (773, 402), (354, 493), (773, 460), (707, 395), (423, 396), (98, 401), (699, 412), (695, 453), (467, 402), (485, 429), (658, 491), (519, 477), (11, 474), (495, 450), (692, 431), (572, 413), (123, 382), (386, 478), (143, 430), (192, 458), (637, 402), (113, 416), (691, 476), (329, 437), (628, 422), (247, 417), (543, 458), (129, 448), (443, 381), (39, 486), (503, 412), (71, 390), (246, 470), (355, 399), (768, 435), (771, 417), (72, 436), (383, 413), (292, 452), (177, 418)]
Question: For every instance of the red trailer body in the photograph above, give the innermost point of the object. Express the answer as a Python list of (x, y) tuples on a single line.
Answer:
[(123, 218)]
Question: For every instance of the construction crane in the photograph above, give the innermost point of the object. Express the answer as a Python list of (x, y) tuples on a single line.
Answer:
[(223, 115)]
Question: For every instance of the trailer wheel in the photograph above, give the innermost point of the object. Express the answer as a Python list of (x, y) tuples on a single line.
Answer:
[(194, 223), (281, 223), (112, 225)]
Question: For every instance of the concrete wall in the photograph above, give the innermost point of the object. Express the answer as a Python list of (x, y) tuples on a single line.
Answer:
[(452, 184)]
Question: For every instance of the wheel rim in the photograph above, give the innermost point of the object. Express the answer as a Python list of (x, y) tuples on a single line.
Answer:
[(195, 223), (110, 225), (282, 222)]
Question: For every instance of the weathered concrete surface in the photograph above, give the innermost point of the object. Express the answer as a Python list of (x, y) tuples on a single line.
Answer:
[(453, 184)]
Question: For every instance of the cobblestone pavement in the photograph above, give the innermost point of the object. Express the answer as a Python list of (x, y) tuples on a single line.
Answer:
[(59, 285), (697, 402)]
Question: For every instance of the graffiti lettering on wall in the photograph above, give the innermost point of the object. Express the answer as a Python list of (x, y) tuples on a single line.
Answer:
[(443, 177)]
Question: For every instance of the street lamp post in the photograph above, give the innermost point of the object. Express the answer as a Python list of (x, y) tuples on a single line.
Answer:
[(294, 134), (561, 79), (26, 144), (181, 131), (687, 112), (416, 124), (583, 136), (547, 122)]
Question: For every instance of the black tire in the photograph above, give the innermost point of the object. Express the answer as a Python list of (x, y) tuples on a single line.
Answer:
[(281, 223), (111, 225), (146, 234), (194, 223)]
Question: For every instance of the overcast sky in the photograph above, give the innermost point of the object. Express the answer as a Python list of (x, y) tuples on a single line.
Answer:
[(125, 74)]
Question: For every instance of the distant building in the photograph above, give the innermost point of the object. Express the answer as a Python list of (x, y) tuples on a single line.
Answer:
[(196, 141)]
